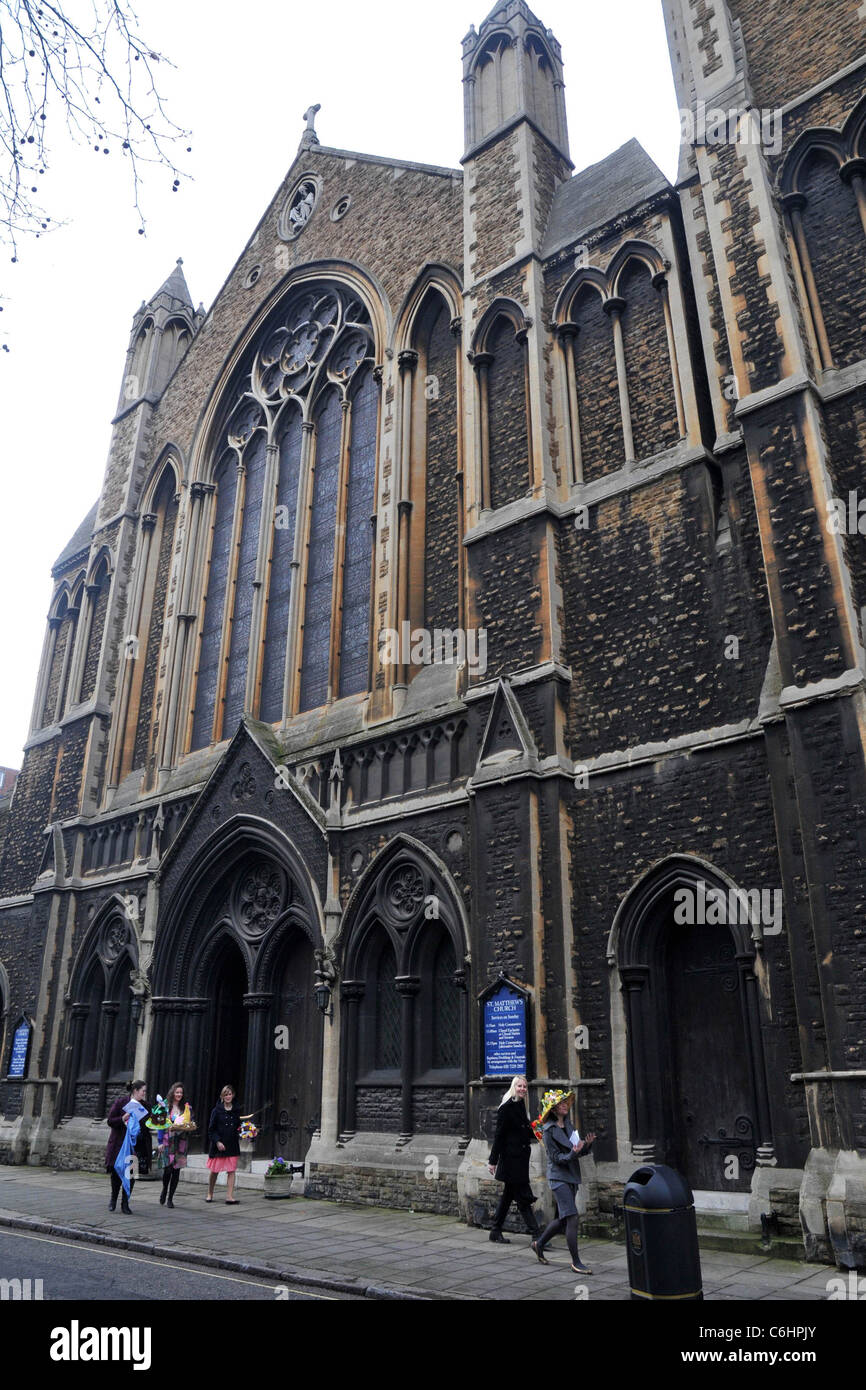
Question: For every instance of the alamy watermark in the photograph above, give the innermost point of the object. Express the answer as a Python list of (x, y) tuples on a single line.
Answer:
[(711, 125), (436, 646), (704, 905)]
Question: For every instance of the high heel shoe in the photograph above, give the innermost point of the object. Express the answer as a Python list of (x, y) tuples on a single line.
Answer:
[(581, 1268), (533, 1245)]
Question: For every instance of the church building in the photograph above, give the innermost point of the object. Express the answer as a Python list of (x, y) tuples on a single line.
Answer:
[(461, 670)]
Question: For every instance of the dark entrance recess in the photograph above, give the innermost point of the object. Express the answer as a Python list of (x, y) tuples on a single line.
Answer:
[(696, 1078), (296, 1114), (711, 1103), (228, 1030)]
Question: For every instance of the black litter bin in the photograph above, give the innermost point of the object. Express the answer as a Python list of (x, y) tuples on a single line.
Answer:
[(661, 1235)]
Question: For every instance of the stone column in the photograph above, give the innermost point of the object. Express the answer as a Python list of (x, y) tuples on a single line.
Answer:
[(613, 308), (260, 1048), (407, 988), (660, 283), (794, 204), (351, 994), (481, 362)]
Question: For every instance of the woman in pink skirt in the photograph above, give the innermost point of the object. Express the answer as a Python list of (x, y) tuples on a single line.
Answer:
[(225, 1121)]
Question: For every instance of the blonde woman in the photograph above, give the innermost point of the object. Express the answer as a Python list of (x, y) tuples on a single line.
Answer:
[(509, 1159), (225, 1121)]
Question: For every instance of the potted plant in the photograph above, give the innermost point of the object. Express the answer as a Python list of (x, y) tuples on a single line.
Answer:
[(278, 1180)]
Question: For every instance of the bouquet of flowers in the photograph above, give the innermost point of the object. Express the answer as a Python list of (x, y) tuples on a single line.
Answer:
[(248, 1130)]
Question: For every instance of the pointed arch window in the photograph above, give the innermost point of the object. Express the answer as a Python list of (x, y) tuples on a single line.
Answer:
[(500, 365), (287, 614), (62, 624), (153, 598), (97, 596)]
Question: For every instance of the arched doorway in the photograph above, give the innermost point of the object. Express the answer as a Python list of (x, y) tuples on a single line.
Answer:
[(234, 976), (697, 1093)]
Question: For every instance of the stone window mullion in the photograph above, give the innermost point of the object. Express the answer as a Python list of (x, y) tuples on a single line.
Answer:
[(614, 307)]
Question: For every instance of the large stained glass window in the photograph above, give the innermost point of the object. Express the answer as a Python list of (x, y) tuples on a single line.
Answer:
[(311, 363)]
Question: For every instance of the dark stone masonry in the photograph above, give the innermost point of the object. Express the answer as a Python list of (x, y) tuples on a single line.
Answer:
[(585, 435)]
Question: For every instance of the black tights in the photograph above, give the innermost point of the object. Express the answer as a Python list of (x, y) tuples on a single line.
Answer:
[(117, 1185), (170, 1180), (516, 1193), (569, 1224)]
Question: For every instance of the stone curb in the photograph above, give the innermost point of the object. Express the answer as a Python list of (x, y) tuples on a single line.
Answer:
[(204, 1257)]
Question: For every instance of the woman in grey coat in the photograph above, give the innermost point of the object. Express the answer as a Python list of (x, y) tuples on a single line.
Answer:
[(563, 1174)]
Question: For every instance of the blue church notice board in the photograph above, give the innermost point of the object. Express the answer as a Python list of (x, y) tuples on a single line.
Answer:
[(504, 1033), (20, 1048)]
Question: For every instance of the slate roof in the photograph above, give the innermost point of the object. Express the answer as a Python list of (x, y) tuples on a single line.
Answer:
[(603, 191), (78, 542)]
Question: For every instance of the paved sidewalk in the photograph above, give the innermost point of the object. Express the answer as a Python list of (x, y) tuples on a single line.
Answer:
[(375, 1251)]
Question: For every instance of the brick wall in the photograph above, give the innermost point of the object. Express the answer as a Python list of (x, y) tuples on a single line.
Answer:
[(648, 606), (793, 45), (441, 522), (601, 439), (504, 578), (507, 423), (648, 364)]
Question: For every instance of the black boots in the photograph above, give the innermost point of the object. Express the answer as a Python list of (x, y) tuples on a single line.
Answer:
[(530, 1222), (497, 1237)]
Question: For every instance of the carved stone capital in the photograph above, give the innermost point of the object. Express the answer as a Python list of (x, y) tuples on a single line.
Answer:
[(257, 1002), (614, 305), (852, 169), (148, 521), (407, 360), (480, 360), (567, 331), (407, 986)]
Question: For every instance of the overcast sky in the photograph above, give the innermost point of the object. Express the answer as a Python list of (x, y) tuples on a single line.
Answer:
[(388, 76)]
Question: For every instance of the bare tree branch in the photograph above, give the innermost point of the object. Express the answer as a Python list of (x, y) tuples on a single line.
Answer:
[(87, 60)]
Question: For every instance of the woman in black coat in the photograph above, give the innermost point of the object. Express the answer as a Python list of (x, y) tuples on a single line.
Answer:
[(509, 1159), (225, 1147)]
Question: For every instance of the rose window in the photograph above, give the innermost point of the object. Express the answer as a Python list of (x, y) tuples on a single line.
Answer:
[(405, 892), (261, 898)]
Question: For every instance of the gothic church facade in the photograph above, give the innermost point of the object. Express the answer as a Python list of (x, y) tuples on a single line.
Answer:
[(594, 424)]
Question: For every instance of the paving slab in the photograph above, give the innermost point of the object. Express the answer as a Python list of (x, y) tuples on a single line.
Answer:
[(416, 1252)]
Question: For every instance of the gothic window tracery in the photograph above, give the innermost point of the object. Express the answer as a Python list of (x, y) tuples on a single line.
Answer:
[(403, 992), (302, 423)]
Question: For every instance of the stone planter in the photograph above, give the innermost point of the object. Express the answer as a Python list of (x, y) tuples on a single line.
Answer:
[(277, 1189)]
